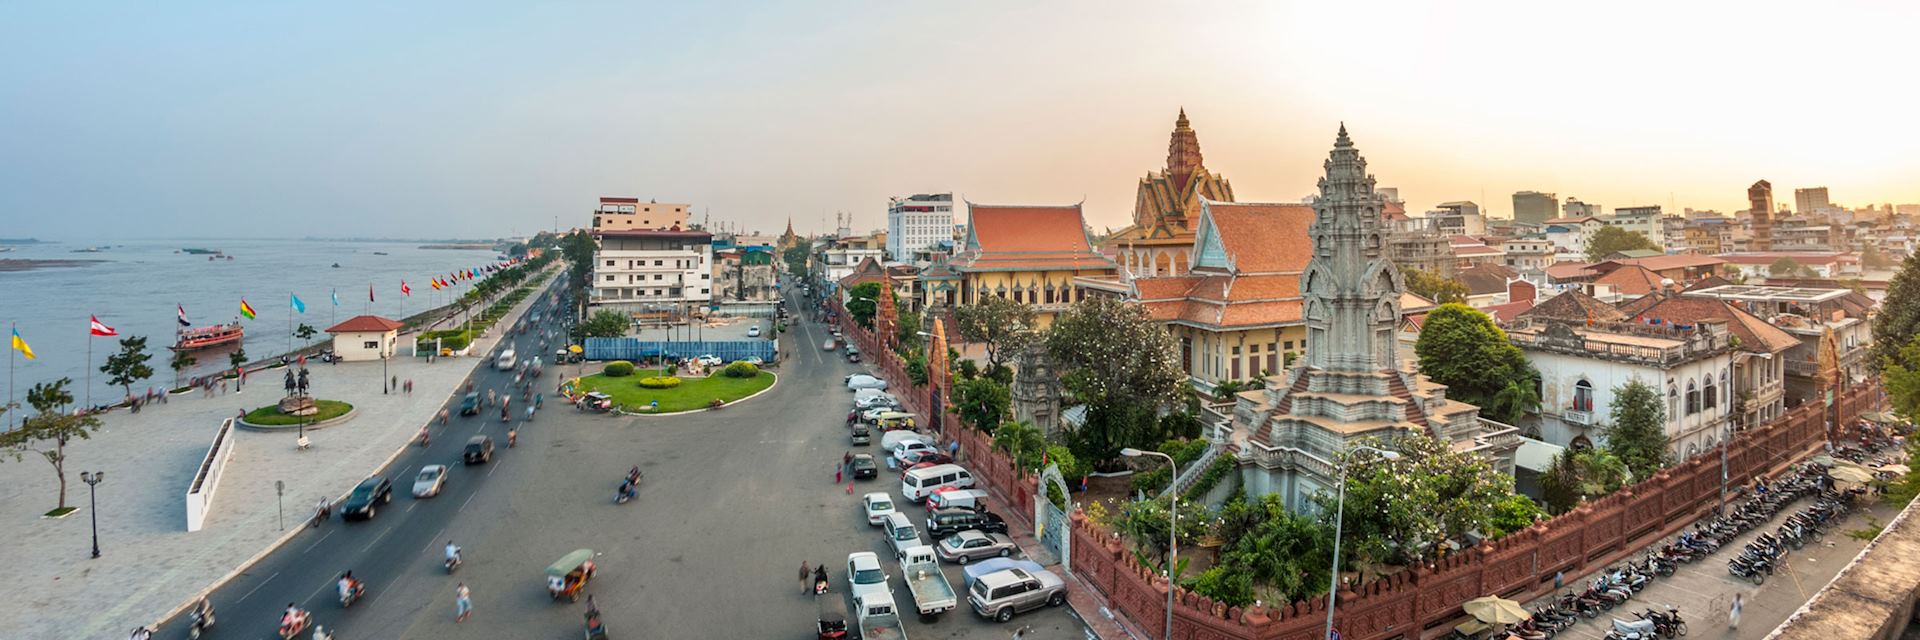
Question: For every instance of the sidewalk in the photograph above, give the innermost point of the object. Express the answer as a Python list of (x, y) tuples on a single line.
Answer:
[(149, 564)]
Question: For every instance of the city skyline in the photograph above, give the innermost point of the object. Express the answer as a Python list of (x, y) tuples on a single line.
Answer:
[(411, 121)]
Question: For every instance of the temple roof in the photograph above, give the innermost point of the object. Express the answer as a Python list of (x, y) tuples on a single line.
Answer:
[(1167, 202), (1027, 238), (1247, 266)]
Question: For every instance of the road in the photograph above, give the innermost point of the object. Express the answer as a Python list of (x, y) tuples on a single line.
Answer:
[(734, 500)]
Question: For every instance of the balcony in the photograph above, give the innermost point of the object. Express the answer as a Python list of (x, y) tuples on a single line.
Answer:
[(1577, 416)]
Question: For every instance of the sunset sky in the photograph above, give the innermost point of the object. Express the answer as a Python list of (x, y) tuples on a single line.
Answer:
[(479, 119)]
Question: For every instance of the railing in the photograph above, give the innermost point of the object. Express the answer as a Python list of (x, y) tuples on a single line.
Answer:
[(1577, 416), (207, 478)]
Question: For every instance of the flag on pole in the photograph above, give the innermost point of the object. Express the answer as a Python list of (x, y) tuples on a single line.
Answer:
[(246, 309), (404, 290), (21, 345), (297, 304), (435, 283), (183, 316), (369, 292), (336, 296), (98, 329)]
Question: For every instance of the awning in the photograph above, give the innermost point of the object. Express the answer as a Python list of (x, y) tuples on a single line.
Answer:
[(1536, 455)]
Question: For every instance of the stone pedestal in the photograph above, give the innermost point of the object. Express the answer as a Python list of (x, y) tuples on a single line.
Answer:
[(298, 406)]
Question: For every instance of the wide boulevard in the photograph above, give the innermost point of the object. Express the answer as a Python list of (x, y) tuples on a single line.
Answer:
[(733, 501)]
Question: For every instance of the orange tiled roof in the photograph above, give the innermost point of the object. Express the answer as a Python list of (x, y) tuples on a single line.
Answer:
[(1632, 280), (1756, 336), (1027, 238), (365, 324), (1672, 261), (1264, 237)]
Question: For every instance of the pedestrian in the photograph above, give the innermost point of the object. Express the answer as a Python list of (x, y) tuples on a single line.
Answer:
[(462, 602), (846, 458), (837, 471), (1559, 580), (1733, 615), (805, 570)]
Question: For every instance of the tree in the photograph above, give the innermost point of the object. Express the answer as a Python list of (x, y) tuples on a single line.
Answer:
[(130, 365), (305, 332), (1402, 510), (1609, 240), (605, 323), (796, 259), (1637, 433), (53, 425), (238, 358), (1145, 523), (863, 300), (1901, 378), (1899, 318), (1004, 327), (1461, 347), (1872, 258), (906, 329), (982, 402), (1783, 267), (1288, 554), (579, 249), (182, 361), (1581, 474), (1435, 287), (1122, 366), (1513, 514)]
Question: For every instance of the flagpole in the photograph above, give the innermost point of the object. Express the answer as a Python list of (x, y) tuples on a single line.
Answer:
[(289, 325), (11, 409), (89, 405)]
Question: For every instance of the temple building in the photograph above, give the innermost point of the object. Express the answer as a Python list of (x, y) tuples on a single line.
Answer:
[(1166, 210), (1351, 384), (1029, 254)]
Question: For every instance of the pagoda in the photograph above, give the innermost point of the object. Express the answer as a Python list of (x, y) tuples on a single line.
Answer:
[(1166, 210), (1351, 385)]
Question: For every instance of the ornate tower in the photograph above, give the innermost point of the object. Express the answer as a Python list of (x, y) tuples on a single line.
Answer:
[(1760, 206), (1351, 290), (1183, 152)]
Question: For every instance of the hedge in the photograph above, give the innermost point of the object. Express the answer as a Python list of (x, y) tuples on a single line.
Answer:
[(1215, 472), (659, 382), (619, 369), (741, 369)]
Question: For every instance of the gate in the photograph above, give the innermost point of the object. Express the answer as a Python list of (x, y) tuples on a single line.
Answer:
[(1050, 520)]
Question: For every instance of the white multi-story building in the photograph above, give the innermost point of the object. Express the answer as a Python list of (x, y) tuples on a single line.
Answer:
[(917, 222), (1645, 220), (1529, 255), (651, 271), (1458, 219), (1581, 366), (1570, 235)]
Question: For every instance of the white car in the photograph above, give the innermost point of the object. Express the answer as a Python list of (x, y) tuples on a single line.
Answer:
[(865, 577), (709, 360), (505, 361), (431, 480), (755, 360), (878, 505), (753, 331), (905, 450), (860, 381)]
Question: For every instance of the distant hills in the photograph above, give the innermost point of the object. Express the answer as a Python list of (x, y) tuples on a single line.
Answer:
[(20, 241)]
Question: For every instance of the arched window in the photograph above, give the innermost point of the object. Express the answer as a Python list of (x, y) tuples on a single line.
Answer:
[(1673, 398), (1693, 398), (1583, 395), (1709, 400), (1726, 392)]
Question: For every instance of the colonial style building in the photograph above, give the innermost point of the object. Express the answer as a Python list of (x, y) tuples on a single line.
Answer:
[(1583, 364), (1806, 317), (1350, 384), (1166, 208), (1029, 254)]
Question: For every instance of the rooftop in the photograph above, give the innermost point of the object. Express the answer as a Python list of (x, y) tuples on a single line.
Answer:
[(365, 324), (1027, 238)]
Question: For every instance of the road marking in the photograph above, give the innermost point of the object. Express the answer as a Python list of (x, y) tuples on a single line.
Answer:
[(376, 539), (316, 543), (256, 587), (494, 467), (430, 541), (323, 587), (470, 497), (413, 504)]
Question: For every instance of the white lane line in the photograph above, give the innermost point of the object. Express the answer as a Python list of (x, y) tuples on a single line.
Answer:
[(470, 497), (495, 467), (436, 536), (331, 582), (316, 543), (376, 540), (256, 587), (413, 504)]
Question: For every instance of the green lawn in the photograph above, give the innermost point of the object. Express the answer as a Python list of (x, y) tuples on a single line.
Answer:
[(270, 415), (693, 393)]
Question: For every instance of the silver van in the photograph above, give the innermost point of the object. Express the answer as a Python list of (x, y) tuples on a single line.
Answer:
[(971, 499), (918, 483), (901, 534)]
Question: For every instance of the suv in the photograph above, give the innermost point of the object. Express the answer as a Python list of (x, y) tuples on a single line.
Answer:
[(479, 450), (946, 522), (1001, 594), (861, 436), (373, 491)]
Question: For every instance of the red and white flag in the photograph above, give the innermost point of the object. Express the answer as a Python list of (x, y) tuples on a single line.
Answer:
[(183, 316), (101, 329), (404, 290)]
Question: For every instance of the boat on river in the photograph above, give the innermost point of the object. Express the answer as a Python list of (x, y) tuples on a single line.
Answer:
[(209, 337)]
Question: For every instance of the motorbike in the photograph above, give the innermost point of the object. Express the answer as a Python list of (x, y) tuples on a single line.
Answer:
[(1754, 570), (296, 626), (200, 623), (321, 513), (452, 563), (1632, 630), (353, 594), (1666, 624), (627, 491)]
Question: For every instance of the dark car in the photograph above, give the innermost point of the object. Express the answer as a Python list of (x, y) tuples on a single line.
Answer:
[(371, 493), (479, 450), (470, 405), (934, 457), (946, 522), (861, 435), (864, 466)]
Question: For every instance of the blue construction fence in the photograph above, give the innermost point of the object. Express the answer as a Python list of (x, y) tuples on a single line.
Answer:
[(636, 349)]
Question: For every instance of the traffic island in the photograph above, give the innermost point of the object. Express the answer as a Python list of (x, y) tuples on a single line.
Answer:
[(274, 417), (689, 394)]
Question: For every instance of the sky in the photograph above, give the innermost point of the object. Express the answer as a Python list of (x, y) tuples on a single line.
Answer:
[(438, 119)]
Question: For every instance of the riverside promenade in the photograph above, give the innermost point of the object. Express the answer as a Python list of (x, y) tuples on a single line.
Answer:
[(150, 565)]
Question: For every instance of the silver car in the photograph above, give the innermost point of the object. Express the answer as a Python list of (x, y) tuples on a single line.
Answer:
[(1001, 594), (970, 545), (431, 480)]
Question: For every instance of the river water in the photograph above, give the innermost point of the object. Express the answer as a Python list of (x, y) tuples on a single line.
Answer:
[(137, 285)]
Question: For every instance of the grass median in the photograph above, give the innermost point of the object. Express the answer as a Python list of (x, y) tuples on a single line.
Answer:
[(270, 415), (693, 393)]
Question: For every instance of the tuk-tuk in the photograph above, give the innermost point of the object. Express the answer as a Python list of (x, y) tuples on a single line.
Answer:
[(892, 420), (833, 616), (596, 401), (568, 576), (470, 404)]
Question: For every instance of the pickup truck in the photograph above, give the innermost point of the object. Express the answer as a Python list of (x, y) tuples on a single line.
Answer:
[(879, 620), (931, 593)]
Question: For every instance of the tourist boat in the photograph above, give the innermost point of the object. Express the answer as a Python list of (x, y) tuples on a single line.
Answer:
[(379, 253), (209, 337), (336, 265), (201, 252)]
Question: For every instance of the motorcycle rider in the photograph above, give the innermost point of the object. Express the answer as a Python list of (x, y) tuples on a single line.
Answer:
[(320, 633), (293, 616), (453, 552), (203, 614), (348, 585), (322, 511), (512, 435), (423, 436)]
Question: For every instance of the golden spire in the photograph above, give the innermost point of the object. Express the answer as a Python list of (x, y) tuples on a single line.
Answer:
[(1183, 152)]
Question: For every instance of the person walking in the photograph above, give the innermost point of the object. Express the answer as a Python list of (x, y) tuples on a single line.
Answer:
[(462, 603), (805, 570), (1733, 614)]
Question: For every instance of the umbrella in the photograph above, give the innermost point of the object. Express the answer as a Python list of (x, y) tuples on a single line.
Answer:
[(1897, 468), (1851, 474), (1823, 460), (1495, 610)]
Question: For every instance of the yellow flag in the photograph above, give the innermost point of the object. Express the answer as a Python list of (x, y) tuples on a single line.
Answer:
[(21, 345)]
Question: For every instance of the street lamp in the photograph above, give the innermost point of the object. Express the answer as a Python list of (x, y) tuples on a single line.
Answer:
[(93, 479), (1339, 513), (1173, 528)]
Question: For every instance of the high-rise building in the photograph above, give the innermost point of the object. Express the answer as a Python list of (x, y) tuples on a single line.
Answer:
[(1760, 208), (1574, 208), (1458, 219), (917, 223), (1534, 207), (1806, 201), (1644, 220)]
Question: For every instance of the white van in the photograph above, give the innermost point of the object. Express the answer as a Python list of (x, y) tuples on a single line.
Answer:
[(505, 361), (901, 534), (917, 483), (970, 499)]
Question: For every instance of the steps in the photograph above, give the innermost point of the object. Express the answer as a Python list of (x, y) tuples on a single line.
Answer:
[(1398, 387)]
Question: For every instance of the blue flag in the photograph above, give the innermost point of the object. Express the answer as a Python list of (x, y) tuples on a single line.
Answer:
[(336, 296), (297, 304)]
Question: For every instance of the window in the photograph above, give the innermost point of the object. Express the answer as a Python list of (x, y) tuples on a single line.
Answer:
[(370, 344), (1708, 399), (1673, 399), (706, 276), (609, 263), (703, 291), (609, 277), (659, 262), (1289, 344), (1693, 398), (1583, 395)]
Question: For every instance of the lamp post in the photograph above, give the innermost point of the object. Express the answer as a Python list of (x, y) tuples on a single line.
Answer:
[(1339, 513), (1173, 528), (93, 479)]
